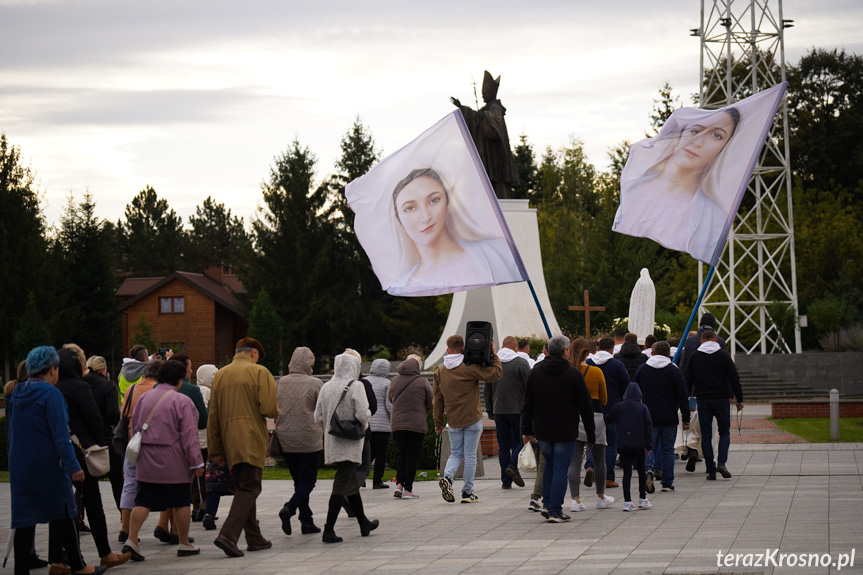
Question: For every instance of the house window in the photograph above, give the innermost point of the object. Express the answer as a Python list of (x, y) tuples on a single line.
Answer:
[(172, 305)]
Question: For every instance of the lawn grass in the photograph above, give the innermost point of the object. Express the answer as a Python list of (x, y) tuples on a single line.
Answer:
[(277, 473), (817, 429)]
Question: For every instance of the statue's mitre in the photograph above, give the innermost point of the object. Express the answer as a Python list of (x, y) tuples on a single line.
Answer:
[(490, 86)]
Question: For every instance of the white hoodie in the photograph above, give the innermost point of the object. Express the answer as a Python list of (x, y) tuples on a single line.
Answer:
[(658, 361), (521, 354), (709, 347), (453, 360), (506, 355), (601, 357)]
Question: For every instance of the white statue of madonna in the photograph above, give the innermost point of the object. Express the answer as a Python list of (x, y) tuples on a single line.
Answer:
[(642, 306)]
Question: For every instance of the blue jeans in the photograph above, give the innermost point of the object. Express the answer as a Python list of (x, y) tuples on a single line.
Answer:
[(663, 451), (508, 428), (558, 455), (610, 450), (463, 445), (721, 410)]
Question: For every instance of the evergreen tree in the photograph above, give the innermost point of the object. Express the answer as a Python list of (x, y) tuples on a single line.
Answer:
[(151, 239), (525, 165), (663, 108), (33, 331), (266, 327), (142, 333), (22, 247), (215, 237)]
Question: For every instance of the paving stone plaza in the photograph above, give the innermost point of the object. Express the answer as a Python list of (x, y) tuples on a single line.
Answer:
[(792, 497)]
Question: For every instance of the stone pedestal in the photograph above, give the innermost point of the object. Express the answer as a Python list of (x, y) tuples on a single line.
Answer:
[(446, 449), (509, 308)]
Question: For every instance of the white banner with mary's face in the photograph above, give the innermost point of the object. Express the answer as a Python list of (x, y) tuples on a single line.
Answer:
[(682, 188), (428, 219)]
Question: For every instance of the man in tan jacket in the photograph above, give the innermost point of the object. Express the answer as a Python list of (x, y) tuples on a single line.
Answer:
[(243, 395), (456, 392)]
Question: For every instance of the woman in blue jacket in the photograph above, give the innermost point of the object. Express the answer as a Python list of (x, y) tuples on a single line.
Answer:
[(42, 465)]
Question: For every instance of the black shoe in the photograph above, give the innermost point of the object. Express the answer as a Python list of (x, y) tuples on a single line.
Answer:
[(657, 473), (711, 477), (650, 487), (691, 460), (367, 526), (36, 562), (513, 474), (506, 486), (380, 485), (122, 537), (260, 547), (133, 550), (445, 484), (559, 518), (667, 487), (348, 509), (330, 536), (544, 513), (85, 528), (588, 477), (229, 547), (364, 484), (285, 515), (166, 537), (198, 515), (309, 528), (209, 522), (723, 471)]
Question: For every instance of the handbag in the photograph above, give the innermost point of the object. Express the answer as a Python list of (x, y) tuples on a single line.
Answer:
[(96, 457), (275, 450), (120, 439), (345, 428), (133, 449)]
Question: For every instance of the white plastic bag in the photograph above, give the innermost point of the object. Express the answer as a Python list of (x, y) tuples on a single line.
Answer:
[(527, 459), (134, 447)]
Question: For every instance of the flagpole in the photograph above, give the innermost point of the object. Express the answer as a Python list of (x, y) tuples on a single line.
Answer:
[(694, 312), (539, 308)]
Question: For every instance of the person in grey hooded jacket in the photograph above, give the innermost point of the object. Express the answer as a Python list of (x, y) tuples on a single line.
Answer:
[(380, 421), (345, 395)]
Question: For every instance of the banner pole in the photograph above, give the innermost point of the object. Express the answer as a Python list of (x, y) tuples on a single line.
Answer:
[(539, 308), (692, 315)]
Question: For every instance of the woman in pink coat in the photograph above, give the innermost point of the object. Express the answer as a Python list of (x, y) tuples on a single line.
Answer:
[(170, 456)]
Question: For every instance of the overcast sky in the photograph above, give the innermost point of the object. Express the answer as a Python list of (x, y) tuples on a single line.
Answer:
[(196, 98)]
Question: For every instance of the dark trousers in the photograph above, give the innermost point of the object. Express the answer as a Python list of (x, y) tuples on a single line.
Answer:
[(304, 471), (243, 514), (62, 534), (508, 429), (410, 444), (115, 475), (628, 458), (365, 466), (610, 450), (721, 410), (92, 500), (380, 443)]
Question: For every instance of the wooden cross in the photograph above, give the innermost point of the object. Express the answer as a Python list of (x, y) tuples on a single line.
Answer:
[(586, 308)]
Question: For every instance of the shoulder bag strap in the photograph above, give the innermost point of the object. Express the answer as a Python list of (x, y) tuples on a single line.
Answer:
[(344, 393), (404, 388), (128, 405), (153, 411)]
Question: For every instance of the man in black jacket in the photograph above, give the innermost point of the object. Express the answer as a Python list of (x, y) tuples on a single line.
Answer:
[(712, 379), (631, 354), (554, 399)]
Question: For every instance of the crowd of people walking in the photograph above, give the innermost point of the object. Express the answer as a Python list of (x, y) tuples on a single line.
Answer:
[(176, 447)]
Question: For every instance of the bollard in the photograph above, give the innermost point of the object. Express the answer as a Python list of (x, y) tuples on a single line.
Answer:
[(834, 415)]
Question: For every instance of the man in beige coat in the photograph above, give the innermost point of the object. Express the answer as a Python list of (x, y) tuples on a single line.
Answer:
[(243, 395)]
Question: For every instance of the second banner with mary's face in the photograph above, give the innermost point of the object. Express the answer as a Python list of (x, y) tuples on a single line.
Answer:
[(428, 219)]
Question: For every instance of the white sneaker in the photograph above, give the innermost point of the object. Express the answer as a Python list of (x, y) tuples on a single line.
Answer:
[(408, 495), (576, 506), (397, 492), (604, 503), (628, 506), (644, 504)]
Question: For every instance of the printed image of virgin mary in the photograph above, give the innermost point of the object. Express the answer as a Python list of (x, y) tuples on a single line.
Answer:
[(679, 200), (440, 245)]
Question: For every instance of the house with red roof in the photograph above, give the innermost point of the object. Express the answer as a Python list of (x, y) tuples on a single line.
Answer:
[(191, 313)]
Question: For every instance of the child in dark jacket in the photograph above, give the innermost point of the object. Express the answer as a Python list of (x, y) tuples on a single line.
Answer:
[(634, 430)]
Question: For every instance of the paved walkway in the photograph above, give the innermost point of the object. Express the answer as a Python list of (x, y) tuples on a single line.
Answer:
[(797, 498)]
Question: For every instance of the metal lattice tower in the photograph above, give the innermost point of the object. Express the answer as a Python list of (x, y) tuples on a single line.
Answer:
[(743, 52)]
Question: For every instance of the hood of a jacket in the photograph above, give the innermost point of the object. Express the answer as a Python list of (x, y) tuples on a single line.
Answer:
[(302, 361), (453, 360), (205, 374), (633, 392), (28, 391), (380, 368), (347, 367), (554, 365), (658, 361), (601, 357), (409, 367), (709, 347), (505, 354), (708, 321), (133, 370), (630, 350), (70, 365)]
